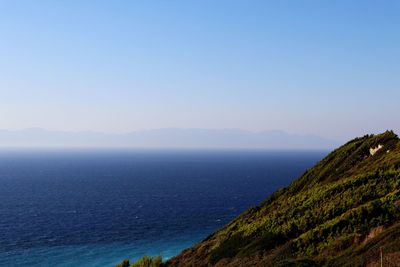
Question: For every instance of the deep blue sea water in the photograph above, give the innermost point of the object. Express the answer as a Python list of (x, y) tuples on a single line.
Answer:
[(98, 207)]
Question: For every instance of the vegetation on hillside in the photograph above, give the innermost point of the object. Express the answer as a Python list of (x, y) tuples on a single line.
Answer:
[(345, 211), (145, 261)]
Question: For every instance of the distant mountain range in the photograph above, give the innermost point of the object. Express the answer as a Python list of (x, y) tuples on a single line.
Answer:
[(165, 138)]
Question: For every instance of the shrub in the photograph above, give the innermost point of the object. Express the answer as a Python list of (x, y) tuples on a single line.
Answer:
[(147, 261)]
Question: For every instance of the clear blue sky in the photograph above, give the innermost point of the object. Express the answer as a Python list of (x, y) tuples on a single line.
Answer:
[(330, 68)]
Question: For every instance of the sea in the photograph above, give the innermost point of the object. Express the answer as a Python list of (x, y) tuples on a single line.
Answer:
[(97, 207)]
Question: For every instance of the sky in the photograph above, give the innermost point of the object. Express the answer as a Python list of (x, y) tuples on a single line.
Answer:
[(329, 68)]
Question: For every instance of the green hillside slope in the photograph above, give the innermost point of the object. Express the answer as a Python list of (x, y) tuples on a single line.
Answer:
[(345, 211)]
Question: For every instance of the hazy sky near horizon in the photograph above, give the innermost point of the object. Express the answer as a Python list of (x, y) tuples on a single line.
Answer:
[(330, 68)]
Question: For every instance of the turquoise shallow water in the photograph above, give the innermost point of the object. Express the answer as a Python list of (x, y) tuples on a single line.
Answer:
[(98, 207), (96, 254)]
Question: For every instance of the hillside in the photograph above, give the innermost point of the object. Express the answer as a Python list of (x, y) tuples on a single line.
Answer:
[(342, 212)]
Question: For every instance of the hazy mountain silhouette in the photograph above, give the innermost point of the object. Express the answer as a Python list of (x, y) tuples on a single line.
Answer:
[(164, 138)]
